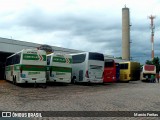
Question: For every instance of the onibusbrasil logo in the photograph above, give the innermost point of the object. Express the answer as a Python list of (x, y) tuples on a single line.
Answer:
[(21, 114)]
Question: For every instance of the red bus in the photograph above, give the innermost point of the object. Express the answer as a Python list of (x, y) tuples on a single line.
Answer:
[(109, 71)]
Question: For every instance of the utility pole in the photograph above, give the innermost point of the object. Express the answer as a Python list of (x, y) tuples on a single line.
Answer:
[(152, 27)]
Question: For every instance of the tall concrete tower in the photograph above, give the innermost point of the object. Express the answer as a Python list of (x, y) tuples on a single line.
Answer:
[(125, 33)]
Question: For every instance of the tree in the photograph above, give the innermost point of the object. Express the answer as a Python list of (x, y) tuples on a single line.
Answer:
[(156, 63), (119, 57), (148, 62)]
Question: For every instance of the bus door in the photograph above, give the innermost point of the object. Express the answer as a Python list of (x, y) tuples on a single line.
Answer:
[(81, 75)]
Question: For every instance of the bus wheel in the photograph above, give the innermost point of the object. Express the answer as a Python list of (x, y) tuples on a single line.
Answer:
[(88, 83), (44, 86), (35, 85), (13, 80), (73, 81)]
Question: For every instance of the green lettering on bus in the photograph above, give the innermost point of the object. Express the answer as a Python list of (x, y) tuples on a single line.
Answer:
[(33, 57), (33, 73), (62, 60)]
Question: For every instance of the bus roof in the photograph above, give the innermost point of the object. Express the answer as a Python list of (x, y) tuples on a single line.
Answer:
[(25, 50), (106, 60), (84, 53), (128, 62)]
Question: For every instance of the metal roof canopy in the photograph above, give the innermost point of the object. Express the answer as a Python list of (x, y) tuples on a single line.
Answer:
[(13, 46)]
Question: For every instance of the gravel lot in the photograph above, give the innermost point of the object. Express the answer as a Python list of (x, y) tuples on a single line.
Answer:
[(132, 96)]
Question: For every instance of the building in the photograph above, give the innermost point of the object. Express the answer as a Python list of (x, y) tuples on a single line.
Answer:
[(10, 46)]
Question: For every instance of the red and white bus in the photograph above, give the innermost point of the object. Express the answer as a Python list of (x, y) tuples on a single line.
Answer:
[(147, 71), (109, 71)]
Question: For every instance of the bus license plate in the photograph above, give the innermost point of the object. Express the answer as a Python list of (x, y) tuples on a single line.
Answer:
[(33, 78)]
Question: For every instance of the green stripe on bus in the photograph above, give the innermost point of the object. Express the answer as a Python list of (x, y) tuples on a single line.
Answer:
[(33, 68), (60, 69), (30, 67), (62, 60), (34, 57), (17, 67)]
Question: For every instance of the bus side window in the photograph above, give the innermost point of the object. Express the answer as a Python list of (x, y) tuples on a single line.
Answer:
[(109, 63), (78, 58), (9, 61), (124, 66), (17, 59)]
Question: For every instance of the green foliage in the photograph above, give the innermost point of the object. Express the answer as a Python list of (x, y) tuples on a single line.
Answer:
[(119, 57), (148, 62), (155, 62)]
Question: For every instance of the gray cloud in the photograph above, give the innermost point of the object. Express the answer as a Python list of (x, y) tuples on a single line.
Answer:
[(94, 30), (86, 31)]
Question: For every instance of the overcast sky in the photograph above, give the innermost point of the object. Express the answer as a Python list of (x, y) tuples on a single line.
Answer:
[(87, 25)]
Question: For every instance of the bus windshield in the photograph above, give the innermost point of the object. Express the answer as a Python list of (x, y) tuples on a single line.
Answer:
[(109, 63), (124, 66), (96, 56)]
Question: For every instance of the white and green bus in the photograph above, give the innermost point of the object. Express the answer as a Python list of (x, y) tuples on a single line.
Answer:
[(26, 66), (59, 68)]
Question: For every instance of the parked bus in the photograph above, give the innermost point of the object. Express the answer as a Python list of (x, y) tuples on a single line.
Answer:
[(109, 71), (117, 71), (26, 66), (129, 71), (87, 67), (147, 71), (59, 68)]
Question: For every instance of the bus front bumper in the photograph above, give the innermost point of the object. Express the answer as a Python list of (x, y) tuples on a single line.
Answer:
[(63, 80), (32, 80), (95, 80)]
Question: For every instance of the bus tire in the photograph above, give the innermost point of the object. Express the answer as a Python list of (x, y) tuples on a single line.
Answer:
[(13, 80), (44, 86), (35, 85), (73, 81)]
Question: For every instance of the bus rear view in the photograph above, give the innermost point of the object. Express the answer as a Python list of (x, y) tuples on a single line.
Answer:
[(26, 66), (88, 67), (59, 68), (109, 71), (129, 71), (147, 71)]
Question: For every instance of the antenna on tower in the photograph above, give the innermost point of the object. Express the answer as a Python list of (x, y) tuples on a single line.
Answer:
[(152, 27)]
